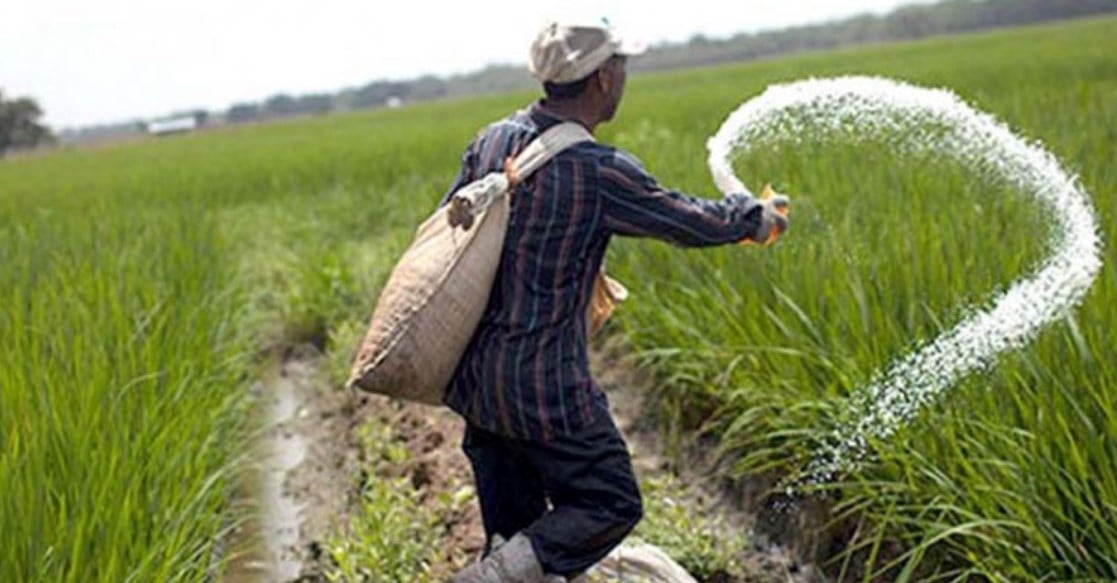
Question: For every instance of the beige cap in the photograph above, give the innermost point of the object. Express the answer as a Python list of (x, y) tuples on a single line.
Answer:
[(564, 53)]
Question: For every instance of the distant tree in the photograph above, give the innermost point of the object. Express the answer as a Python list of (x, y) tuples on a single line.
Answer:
[(201, 116), (242, 112), (316, 103), (19, 124), (376, 94), (424, 88), (280, 105)]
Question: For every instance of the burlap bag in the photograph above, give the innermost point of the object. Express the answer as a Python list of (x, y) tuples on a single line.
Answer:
[(437, 293), (607, 293)]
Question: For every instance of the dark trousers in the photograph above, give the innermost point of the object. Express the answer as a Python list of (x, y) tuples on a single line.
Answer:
[(575, 496)]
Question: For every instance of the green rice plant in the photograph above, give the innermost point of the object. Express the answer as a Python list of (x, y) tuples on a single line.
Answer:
[(140, 282), (1008, 478), (112, 366)]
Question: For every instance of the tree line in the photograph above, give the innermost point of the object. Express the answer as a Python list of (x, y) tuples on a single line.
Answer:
[(905, 23)]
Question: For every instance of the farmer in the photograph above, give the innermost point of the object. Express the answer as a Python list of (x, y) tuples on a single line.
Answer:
[(554, 477)]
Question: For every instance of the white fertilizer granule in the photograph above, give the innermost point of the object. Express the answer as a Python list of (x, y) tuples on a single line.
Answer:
[(915, 120)]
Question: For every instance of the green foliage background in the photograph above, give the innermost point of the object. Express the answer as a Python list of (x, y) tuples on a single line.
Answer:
[(142, 282)]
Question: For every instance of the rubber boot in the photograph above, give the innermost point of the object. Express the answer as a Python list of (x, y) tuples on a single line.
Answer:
[(512, 562)]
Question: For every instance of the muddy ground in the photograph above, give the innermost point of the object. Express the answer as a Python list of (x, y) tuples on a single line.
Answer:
[(326, 483)]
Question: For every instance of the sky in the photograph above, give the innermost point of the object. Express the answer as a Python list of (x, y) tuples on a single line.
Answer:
[(103, 61)]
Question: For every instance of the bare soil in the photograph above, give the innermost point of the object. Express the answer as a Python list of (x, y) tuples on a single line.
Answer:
[(327, 482)]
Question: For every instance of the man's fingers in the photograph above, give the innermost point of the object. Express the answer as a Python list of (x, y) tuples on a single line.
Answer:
[(781, 204), (782, 223), (773, 220)]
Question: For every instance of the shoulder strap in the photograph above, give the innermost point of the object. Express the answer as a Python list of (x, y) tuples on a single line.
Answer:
[(475, 197), (554, 140)]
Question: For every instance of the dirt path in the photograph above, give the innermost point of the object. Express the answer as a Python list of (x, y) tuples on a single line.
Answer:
[(325, 485)]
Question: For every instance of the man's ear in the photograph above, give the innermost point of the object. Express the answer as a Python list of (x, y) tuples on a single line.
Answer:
[(603, 78)]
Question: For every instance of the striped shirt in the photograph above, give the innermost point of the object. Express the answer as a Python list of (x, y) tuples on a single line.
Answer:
[(525, 373)]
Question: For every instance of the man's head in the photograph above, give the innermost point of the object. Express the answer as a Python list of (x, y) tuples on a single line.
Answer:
[(583, 64)]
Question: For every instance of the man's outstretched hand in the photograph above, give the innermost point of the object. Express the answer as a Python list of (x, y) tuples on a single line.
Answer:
[(773, 218)]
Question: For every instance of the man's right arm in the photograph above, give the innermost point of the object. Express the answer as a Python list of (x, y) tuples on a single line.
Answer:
[(634, 204)]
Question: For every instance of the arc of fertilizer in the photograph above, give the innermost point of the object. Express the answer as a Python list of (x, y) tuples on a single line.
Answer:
[(916, 120)]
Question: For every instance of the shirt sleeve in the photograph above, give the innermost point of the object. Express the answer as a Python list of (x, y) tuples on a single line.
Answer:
[(635, 205), (464, 176)]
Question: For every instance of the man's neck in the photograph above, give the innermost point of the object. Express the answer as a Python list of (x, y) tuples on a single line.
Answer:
[(570, 110)]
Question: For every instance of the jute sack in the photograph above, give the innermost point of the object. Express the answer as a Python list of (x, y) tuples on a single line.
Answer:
[(437, 293), (607, 293)]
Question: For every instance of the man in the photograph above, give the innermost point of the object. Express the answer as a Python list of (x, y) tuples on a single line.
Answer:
[(554, 477)]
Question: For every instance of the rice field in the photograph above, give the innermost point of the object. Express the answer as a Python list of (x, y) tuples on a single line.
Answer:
[(144, 285)]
